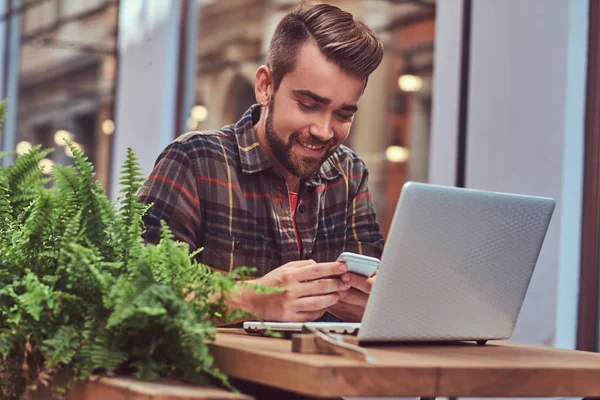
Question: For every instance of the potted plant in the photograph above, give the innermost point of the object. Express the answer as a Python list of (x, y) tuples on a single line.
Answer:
[(81, 293)]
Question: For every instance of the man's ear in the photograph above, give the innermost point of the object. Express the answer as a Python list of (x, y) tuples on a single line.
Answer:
[(263, 85)]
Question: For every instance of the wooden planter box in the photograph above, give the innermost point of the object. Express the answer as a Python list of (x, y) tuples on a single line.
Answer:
[(102, 388)]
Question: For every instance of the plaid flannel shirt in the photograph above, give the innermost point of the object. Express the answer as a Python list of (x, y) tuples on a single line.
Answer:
[(218, 190)]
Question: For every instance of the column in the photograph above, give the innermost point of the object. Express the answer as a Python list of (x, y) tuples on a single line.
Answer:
[(10, 49), (148, 37)]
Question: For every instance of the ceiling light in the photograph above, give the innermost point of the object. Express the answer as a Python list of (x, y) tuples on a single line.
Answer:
[(46, 165), (199, 113), (23, 147), (397, 154), (108, 127), (61, 135), (410, 83)]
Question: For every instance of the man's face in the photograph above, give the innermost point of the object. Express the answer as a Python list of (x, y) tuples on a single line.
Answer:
[(311, 113)]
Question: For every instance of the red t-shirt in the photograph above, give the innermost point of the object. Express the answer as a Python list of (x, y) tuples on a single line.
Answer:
[(293, 205)]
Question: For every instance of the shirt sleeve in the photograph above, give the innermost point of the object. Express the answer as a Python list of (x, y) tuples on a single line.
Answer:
[(363, 235), (172, 189)]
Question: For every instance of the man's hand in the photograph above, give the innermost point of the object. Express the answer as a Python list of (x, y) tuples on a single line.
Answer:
[(351, 306), (310, 289)]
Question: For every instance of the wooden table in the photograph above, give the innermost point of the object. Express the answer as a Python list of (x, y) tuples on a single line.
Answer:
[(499, 369)]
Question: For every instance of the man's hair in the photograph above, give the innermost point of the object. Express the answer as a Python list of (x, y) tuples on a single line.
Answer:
[(350, 44)]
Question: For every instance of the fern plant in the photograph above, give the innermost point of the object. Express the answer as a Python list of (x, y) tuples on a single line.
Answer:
[(81, 293)]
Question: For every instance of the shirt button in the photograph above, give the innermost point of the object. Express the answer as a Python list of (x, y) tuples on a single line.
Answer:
[(302, 208), (238, 245)]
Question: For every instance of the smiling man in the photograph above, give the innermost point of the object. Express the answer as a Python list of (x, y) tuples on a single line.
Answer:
[(278, 191)]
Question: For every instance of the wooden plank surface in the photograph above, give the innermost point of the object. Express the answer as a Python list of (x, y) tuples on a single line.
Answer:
[(309, 343), (102, 388), (449, 370)]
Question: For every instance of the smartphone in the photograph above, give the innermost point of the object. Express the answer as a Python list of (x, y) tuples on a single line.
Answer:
[(359, 264)]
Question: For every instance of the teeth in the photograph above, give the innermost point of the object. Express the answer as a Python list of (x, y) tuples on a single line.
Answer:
[(308, 146)]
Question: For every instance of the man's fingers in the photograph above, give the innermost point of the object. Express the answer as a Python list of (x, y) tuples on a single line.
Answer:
[(354, 297), (321, 286), (320, 270), (359, 282), (315, 303), (299, 263)]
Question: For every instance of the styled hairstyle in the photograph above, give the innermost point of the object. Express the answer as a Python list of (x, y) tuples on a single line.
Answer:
[(350, 44)]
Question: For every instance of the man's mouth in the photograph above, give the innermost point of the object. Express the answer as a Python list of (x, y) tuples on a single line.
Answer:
[(311, 146)]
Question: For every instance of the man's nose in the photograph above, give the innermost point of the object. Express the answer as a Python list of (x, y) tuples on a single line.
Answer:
[(322, 129)]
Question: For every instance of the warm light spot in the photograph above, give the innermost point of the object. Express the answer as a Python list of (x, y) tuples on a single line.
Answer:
[(410, 83), (108, 127), (23, 147), (46, 165), (397, 154), (61, 135), (199, 113)]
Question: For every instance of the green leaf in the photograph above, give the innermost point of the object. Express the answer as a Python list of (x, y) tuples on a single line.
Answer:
[(6, 211), (62, 347), (36, 296)]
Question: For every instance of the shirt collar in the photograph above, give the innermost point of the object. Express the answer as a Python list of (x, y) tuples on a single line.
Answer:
[(253, 158)]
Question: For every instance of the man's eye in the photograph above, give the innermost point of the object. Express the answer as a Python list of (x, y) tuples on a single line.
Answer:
[(307, 107), (344, 117)]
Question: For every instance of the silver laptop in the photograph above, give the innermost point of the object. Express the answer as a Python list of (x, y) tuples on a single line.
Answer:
[(455, 267)]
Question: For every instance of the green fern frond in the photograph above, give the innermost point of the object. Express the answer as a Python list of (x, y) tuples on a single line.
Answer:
[(93, 220), (71, 233), (6, 211), (65, 189), (78, 268), (92, 260), (39, 221), (144, 303), (24, 177), (131, 210), (62, 347), (100, 350), (36, 296), (26, 165), (65, 179), (132, 180)]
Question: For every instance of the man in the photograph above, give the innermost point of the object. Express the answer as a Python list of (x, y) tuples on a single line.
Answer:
[(278, 191)]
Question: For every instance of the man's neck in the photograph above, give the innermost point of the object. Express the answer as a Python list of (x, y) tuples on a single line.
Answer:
[(293, 182)]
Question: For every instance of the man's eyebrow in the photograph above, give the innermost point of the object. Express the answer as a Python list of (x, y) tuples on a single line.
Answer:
[(323, 100), (314, 96)]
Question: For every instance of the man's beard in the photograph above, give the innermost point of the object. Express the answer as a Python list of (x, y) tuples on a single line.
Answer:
[(302, 167)]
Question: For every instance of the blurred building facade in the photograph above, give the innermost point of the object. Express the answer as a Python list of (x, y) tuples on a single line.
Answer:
[(475, 93), (69, 61), (66, 78)]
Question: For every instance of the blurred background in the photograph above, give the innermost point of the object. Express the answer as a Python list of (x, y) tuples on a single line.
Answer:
[(68, 75), (489, 94)]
